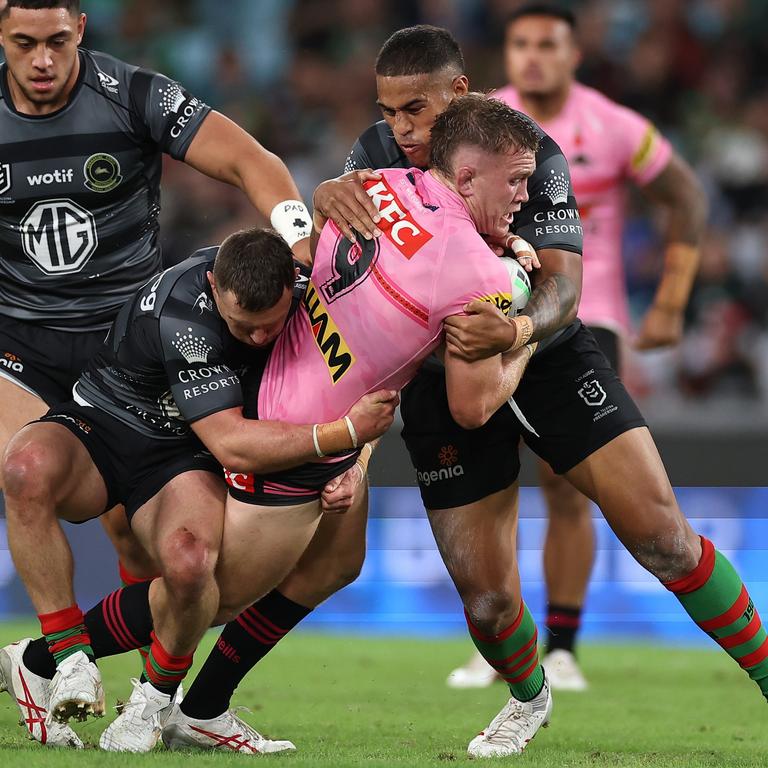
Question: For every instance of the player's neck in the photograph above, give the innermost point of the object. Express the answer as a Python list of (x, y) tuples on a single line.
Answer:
[(544, 108), (25, 106)]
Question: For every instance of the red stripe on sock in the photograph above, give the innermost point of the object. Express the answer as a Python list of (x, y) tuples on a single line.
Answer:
[(747, 633), (501, 637), (60, 621), (166, 660), (81, 639), (254, 632), (558, 620), (110, 619), (121, 621), (525, 675), (129, 579), (733, 613), (754, 658), (499, 663), (525, 660), (699, 576), (256, 619)]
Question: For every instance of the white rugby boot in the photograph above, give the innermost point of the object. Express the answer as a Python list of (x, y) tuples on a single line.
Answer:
[(511, 730), (226, 731), (137, 728), (76, 690), (30, 692), (563, 672), (476, 673)]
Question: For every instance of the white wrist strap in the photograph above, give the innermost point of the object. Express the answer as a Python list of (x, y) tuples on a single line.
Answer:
[(352, 432), (291, 220), (315, 441)]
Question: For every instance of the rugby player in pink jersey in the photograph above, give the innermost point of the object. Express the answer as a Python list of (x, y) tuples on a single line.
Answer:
[(607, 146)]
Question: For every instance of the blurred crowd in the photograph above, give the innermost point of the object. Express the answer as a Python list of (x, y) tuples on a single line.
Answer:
[(298, 74)]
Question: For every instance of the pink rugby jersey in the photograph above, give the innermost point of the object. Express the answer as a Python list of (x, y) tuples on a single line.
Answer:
[(372, 313), (605, 144)]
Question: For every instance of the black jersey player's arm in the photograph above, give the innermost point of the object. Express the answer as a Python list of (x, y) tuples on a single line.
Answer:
[(222, 150), (247, 445)]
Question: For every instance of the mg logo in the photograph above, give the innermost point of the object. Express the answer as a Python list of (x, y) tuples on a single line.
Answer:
[(59, 236)]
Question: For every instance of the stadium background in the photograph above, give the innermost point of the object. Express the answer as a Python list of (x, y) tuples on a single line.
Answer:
[(299, 75)]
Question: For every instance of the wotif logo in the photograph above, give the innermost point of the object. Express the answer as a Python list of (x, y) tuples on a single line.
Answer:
[(450, 468), (64, 176)]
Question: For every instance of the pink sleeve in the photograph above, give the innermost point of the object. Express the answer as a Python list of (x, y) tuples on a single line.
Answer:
[(647, 152), (469, 271)]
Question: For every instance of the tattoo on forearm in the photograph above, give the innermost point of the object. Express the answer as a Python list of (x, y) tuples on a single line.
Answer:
[(551, 306)]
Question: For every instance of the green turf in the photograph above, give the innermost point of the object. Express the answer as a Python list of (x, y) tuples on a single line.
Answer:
[(361, 702)]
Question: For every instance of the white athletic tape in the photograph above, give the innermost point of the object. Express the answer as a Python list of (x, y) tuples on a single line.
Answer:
[(291, 220)]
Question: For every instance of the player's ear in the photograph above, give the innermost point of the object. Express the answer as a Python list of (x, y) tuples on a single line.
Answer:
[(211, 281), (81, 27), (460, 85), (463, 180)]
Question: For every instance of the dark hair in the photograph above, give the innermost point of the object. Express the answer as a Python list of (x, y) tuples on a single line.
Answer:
[(542, 9), (73, 6), (256, 265), (480, 121), (419, 50)]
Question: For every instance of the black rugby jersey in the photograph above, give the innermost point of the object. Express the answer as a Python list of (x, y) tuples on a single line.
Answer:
[(80, 192), (548, 219), (169, 358)]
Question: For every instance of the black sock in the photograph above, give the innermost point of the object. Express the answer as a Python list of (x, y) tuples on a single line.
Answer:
[(121, 622), (242, 643), (563, 624)]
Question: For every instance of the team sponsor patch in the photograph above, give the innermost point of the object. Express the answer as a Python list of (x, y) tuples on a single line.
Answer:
[(194, 349), (337, 355), (12, 362), (241, 481), (450, 468), (556, 187), (592, 392), (502, 301), (102, 172), (107, 82), (396, 223), (58, 235)]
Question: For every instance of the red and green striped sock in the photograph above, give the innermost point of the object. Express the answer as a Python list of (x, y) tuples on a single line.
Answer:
[(65, 633), (716, 599), (127, 579), (164, 671), (514, 654)]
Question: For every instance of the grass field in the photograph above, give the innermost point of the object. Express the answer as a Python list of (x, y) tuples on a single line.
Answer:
[(382, 702)]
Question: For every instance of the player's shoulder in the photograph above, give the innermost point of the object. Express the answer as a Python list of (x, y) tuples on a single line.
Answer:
[(108, 75), (597, 104), (184, 287), (380, 146)]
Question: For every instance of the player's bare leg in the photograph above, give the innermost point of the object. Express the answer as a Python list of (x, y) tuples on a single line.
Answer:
[(478, 543), (19, 408), (259, 548), (181, 528), (627, 480), (569, 552), (49, 475), (133, 557)]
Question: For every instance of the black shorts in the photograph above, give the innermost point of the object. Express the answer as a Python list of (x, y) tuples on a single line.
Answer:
[(46, 363), (291, 486), (134, 467), (608, 341), (570, 403)]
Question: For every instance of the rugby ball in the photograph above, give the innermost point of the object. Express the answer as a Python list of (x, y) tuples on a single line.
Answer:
[(520, 285)]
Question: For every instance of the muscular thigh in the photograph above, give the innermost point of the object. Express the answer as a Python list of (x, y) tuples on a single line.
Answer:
[(189, 506), (260, 546), (478, 541), (61, 467)]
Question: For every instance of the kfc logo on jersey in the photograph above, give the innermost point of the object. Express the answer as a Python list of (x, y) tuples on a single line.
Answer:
[(592, 393), (5, 177), (397, 223), (59, 236), (240, 481)]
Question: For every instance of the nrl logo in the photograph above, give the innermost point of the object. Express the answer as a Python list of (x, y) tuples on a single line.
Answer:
[(592, 393)]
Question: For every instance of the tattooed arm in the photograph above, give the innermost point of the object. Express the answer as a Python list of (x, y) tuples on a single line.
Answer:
[(485, 331)]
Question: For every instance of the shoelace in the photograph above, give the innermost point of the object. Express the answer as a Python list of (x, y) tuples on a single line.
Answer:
[(121, 706), (252, 732), (511, 721)]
